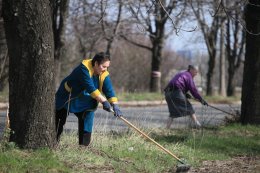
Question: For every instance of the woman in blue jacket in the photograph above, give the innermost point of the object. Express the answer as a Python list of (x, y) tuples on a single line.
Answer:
[(81, 91)]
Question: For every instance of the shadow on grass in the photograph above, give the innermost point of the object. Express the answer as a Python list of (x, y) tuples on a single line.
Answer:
[(180, 136), (170, 138)]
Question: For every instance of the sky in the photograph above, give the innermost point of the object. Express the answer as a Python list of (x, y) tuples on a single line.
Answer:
[(192, 41)]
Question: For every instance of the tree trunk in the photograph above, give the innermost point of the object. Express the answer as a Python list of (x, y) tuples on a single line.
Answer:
[(211, 42), (235, 41), (157, 42), (59, 16), (222, 62), (250, 109), (211, 66), (155, 82), (3, 54), (231, 85), (28, 27)]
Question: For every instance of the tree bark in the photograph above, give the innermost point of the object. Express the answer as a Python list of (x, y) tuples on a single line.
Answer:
[(3, 54), (250, 109), (155, 82), (231, 85), (28, 27), (211, 46), (157, 41), (222, 62), (235, 44)]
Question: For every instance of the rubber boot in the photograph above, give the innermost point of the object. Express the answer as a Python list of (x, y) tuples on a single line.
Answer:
[(86, 138), (60, 120)]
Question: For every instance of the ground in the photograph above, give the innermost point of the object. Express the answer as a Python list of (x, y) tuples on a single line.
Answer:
[(240, 164)]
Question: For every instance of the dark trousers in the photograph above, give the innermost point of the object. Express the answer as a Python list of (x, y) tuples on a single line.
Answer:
[(60, 120)]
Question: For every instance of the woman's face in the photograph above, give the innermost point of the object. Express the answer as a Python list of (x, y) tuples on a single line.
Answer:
[(193, 72), (100, 68)]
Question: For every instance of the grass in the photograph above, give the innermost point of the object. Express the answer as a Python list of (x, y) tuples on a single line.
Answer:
[(129, 152), (147, 96), (136, 96), (15, 160), (221, 99)]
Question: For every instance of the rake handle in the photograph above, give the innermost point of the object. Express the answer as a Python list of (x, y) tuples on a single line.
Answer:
[(221, 110), (217, 108), (146, 136)]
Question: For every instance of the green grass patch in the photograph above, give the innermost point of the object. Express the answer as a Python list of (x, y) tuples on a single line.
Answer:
[(130, 152), (141, 96), (221, 99), (216, 144), (137, 96), (16, 160), (147, 96)]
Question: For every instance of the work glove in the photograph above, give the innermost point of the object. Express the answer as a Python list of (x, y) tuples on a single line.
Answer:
[(106, 106), (117, 111), (204, 102), (188, 96)]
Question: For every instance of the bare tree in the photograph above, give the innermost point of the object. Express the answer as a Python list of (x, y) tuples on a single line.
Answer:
[(3, 54), (28, 27), (110, 28), (222, 62), (151, 18), (59, 16), (128, 71), (222, 54), (209, 32), (235, 42), (250, 109), (85, 27)]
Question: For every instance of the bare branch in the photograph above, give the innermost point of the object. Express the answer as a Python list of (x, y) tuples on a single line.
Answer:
[(177, 29), (136, 44), (103, 11), (221, 4)]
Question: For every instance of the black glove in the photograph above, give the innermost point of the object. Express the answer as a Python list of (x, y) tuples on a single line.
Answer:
[(106, 106), (204, 102), (117, 111), (188, 96)]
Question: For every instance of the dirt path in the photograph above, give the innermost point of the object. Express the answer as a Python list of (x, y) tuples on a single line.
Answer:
[(241, 164)]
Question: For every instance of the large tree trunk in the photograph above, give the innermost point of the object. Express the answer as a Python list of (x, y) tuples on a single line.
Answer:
[(28, 26), (155, 82), (251, 81), (157, 42)]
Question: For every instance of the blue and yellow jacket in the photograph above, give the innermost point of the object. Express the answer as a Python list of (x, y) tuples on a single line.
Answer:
[(84, 87)]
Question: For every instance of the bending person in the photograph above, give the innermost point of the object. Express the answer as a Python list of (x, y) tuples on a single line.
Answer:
[(80, 93), (176, 95)]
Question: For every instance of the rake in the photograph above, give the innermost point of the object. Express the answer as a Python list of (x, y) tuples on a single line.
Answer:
[(216, 108), (183, 167)]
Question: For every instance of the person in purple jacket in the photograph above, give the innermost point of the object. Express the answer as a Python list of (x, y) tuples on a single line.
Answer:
[(176, 95)]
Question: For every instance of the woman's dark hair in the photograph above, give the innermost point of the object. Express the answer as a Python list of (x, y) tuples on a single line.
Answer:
[(100, 58), (191, 67)]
